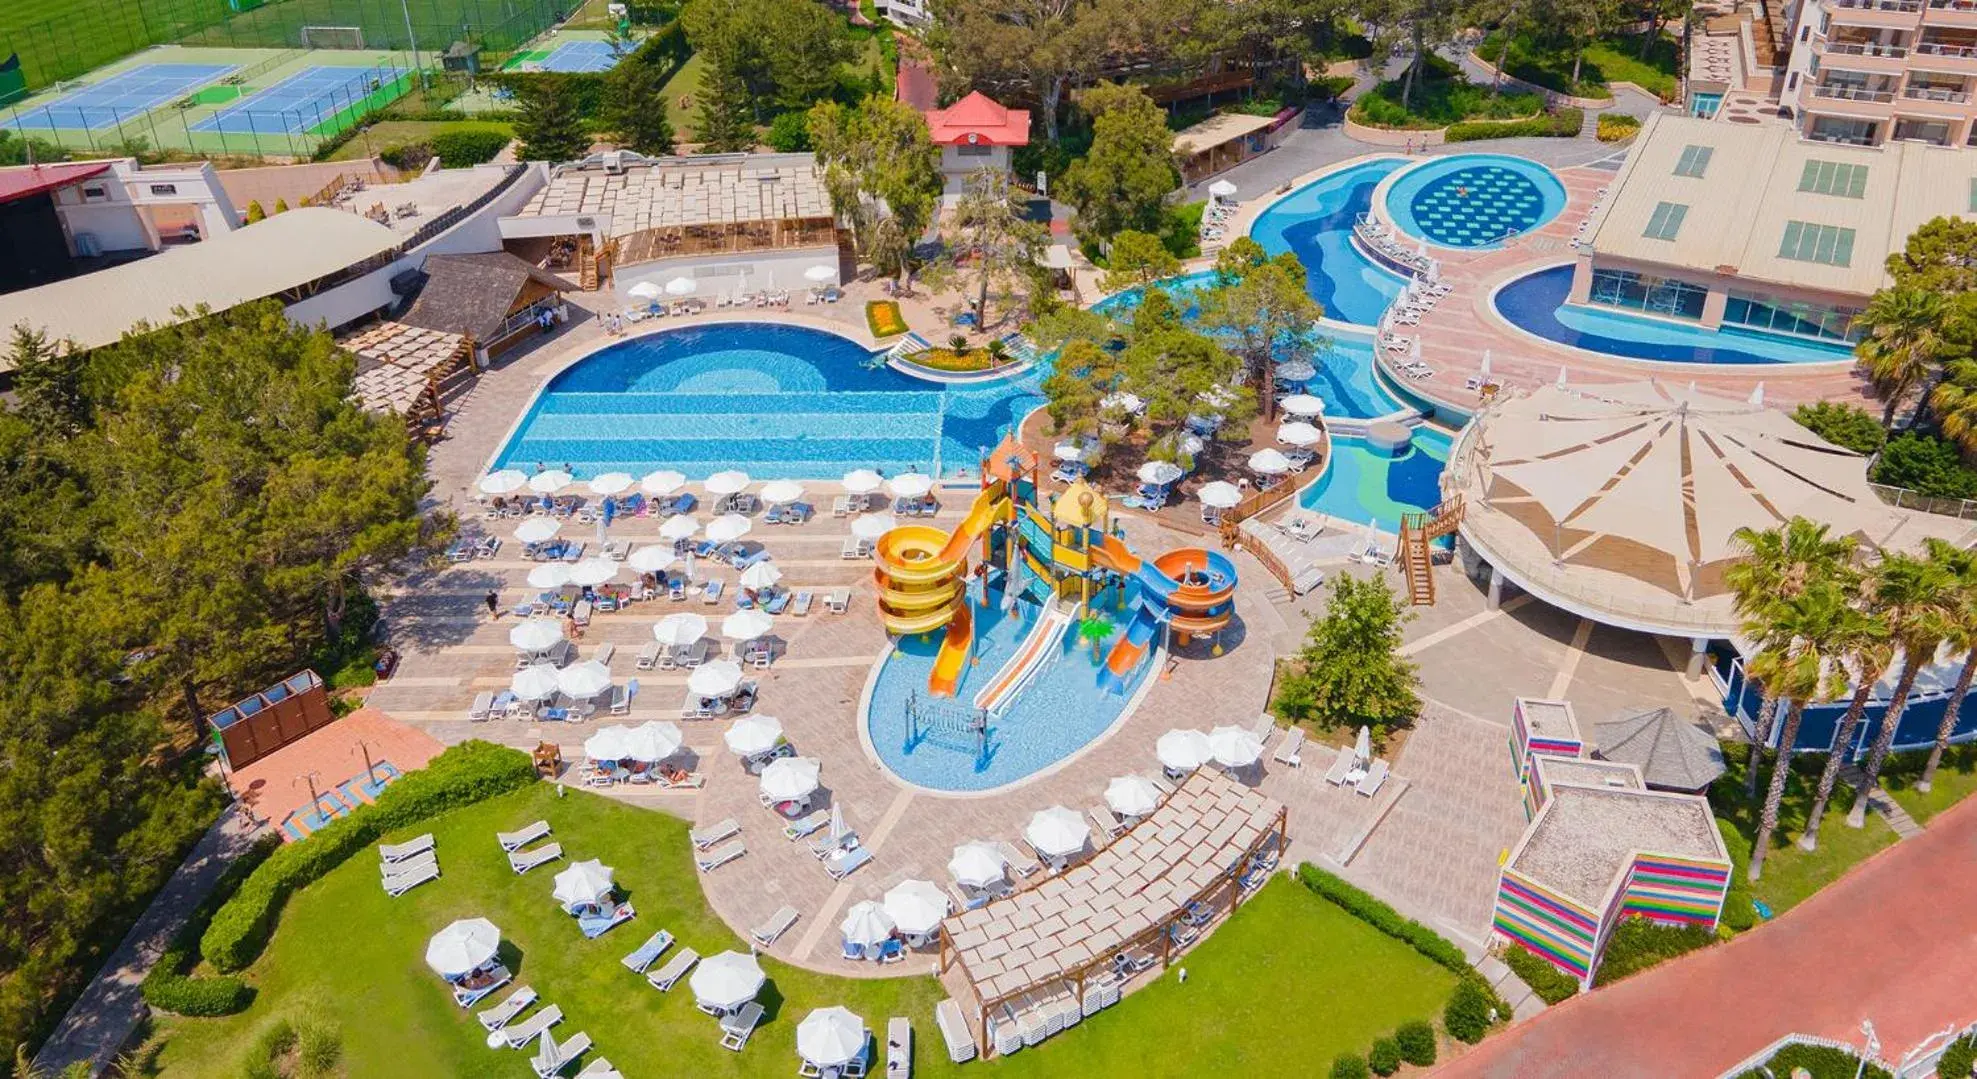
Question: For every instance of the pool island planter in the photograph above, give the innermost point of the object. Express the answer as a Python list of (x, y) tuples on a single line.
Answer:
[(905, 366)]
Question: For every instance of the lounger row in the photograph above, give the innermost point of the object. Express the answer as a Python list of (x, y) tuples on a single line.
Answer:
[(551, 1057), (404, 866)]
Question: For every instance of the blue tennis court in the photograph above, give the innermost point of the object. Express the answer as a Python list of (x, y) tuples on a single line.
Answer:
[(300, 103), (125, 95), (580, 56)]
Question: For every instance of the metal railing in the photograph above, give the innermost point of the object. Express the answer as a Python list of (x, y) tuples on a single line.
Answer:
[(1852, 93), (1866, 48), (1899, 6), (1963, 509), (1937, 48), (1953, 5), (1930, 93)]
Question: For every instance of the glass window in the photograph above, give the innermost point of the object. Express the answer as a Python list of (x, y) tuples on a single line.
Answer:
[(1666, 221), (1826, 244), (1800, 319), (1834, 178), (1643, 292), (1694, 161), (1973, 195)]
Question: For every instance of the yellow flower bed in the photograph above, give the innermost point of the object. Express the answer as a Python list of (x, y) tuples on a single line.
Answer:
[(884, 319)]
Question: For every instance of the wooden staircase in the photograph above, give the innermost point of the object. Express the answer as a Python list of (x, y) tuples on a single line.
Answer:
[(1416, 552)]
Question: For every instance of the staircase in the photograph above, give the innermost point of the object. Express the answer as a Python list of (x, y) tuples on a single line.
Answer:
[(586, 264), (1416, 552)]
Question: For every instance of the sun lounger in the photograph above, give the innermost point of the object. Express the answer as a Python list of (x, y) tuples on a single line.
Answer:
[(1023, 864), (1341, 766), (552, 1057), (514, 841), (800, 604), (899, 1048), (523, 861), (1108, 825), (770, 931), (600, 1068), (1376, 774), (846, 862), (854, 548), (726, 828), (841, 506), (398, 884), (669, 975), (736, 1028), (838, 601), (410, 865), (712, 594), (520, 1034), (483, 704), (955, 1031), (467, 998), (595, 926), (715, 859), (826, 845), (1264, 727), (649, 952), (648, 657), (800, 829), (411, 848), (621, 697), (778, 602), (511, 1006), (1287, 750)]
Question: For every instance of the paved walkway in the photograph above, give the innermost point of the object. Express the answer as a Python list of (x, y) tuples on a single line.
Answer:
[(1888, 942)]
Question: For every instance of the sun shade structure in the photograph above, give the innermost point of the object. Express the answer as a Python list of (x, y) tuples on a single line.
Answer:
[(582, 884), (760, 575), (789, 778), (1160, 472), (612, 483), (976, 865), (1057, 831), (584, 680), (463, 947), (716, 679), (860, 481), (728, 528), (594, 570), (1132, 796), (752, 734), (1220, 494), (747, 625), (535, 634), (679, 528), (1270, 462), (867, 924), (910, 484), (651, 558), (726, 981), (506, 481), (537, 529), (830, 1037), (663, 482), (731, 481), (550, 482), (608, 744), (916, 906), (534, 683), (1303, 404), (781, 492), (871, 526), (1673, 754), (1298, 433), (549, 575)]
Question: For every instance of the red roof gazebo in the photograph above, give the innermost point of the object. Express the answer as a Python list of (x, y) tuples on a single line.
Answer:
[(977, 120)]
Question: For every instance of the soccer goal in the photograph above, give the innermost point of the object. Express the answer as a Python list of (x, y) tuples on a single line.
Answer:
[(332, 37)]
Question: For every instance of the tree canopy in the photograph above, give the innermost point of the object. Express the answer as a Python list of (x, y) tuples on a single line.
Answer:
[(883, 174), (550, 124), (1351, 673), (1123, 182), (762, 57)]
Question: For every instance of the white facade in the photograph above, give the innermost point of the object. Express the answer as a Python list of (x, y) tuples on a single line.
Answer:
[(910, 12), (958, 162), (1867, 72), (781, 269), (131, 208)]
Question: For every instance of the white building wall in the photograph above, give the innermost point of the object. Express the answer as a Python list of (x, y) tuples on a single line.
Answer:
[(957, 163)]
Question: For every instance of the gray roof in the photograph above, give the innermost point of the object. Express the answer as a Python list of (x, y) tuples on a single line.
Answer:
[(474, 293), (1585, 838), (1672, 753)]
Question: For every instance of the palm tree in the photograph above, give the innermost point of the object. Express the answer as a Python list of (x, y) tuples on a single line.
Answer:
[(1778, 564), (1902, 345), (1869, 654), (1094, 630), (1960, 633), (1915, 594), (1954, 402), (1798, 667)]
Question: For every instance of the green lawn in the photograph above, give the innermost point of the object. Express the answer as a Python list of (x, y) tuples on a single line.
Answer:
[(391, 134), (1608, 60), (1441, 97), (1955, 780), (685, 84), (1791, 874), (346, 953)]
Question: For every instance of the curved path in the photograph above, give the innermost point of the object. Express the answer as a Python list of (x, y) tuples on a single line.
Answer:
[(1894, 942)]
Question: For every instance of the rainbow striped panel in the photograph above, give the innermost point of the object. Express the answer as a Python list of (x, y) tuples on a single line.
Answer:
[(1546, 924)]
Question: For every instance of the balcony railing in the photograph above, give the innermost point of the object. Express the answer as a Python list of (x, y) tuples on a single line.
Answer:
[(1866, 48), (1852, 93), (1953, 5), (1931, 93), (1938, 48), (1904, 6)]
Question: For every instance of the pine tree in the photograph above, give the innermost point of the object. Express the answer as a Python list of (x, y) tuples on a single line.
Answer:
[(549, 126), (726, 122), (635, 108)]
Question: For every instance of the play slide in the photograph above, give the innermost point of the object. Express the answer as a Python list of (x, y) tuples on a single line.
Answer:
[(1039, 645), (1190, 590), (953, 657), (922, 576), (1126, 655)]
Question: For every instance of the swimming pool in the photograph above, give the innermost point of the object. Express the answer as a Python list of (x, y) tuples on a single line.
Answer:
[(780, 402), (1315, 224), (1361, 485), (1536, 304), (1474, 200)]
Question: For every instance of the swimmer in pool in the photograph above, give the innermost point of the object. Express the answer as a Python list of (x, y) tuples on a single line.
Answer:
[(1461, 191)]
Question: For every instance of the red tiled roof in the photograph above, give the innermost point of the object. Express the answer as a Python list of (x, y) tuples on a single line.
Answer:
[(22, 181), (977, 119)]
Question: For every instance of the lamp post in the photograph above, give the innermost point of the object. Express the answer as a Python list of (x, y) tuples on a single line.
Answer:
[(315, 799), (1869, 1049)]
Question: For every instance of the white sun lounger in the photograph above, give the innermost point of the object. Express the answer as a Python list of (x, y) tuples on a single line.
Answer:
[(600, 1068), (409, 866), (514, 841), (1023, 864), (511, 1006), (648, 657), (726, 828), (1108, 825), (669, 975), (1264, 727), (719, 857), (649, 952), (553, 1057), (772, 930), (483, 704), (737, 1028), (899, 1048), (520, 1034), (838, 601), (800, 606), (799, 829), (1341, 766), (1287, 750), (398, 884), (1376, 774), (522, 861), (955, 1031), (411, 848)]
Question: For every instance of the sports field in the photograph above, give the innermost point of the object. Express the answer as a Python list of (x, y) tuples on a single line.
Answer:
[(568, 50)]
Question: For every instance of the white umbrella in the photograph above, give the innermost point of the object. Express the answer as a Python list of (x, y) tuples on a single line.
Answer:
[(1219, 494), (1298, 433), (1125, 402), (1191, 444), (550, 482), (760, 575), (916, 906), (1160, 473), (829, 1037), (462, 947), (662, 483), (728, 482), (608, 744), (789, 778), (550, 575), (716, 679), (681, 628), (727, 981), (611, 483), (506, 481), (728, 527), (1296, 371), (820, 273), (1362, 746), (747, 625), (1058, 831), (1221, 189), (867, 924), (645, 290), (871, 526), (754, 734), (1303, 404), (1132, 796), (682, 286), (1182, 750), (651, 558), (594, 570), (910, 484), (534, 683), (680, 527), (584, 680), (583, 882), (976, 865), (781, 492), (1234, 747), (1484, 367), (537, 529), (1270, 462), (1068, 451), (535, 634), (653, 740), (860, 481)]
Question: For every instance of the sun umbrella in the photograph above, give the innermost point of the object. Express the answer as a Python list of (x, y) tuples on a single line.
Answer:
[(1160, 473), (867, 924), (860, 481), (506, 481), (728, 528), (1221, 189), (682, 286), (1191, 445), (550, 575), (747, 625), (716, 679), (608, 744), (662, 483), (611, 483), (1296, 371), (1057, 831), (1234, 747), (462, 947), (789, 778), (680, 527), (550, 482), (1182, 750), (653, 740), (729, 482), (537, 529), (760, 575), (754, 734), (1362, 746), (651, 558), (910, 484), (830, 1037), (584, 680), (681, 628), (1270, 462), (976, 865), (535, 682), (871, 526), (1303, 404), (916, 906), (1132, 796), (1125, 402), (583, 882), (594, 570), (1219, 494), (820, 273), (1298, 433), (645, 290), (535, 634), (781, 492), (727, 981)]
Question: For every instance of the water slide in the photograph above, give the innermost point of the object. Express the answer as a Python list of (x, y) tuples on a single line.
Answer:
[(1190, 590), (1038, 646), (922, 576)]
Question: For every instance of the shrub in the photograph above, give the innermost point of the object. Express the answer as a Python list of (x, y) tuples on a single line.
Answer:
[(1349, 1066), (1738, 913), (1181, 232), (462, 775), (790, 132), (1926, 465), (1441, 97), (1958, 1058), (1384, 918), (1548, 982), (1384, 1058), (1563, 124), (468, 146), (410, 157), (884, 319), (318, 1047), (170, 987), (281, 206), (1820, 1061), (1614, 126), (1472, 1009), (1416, 1040), (255, 212), (1843, 425), (1637, 944)]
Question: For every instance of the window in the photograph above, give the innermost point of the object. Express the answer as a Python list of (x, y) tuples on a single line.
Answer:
[(978, 150), (1973, 194), (95, 193), (1827, 244), (1695, 161), (1834, 178), (1666, 220), (1654, 295), (1771, 315), (164, 189)]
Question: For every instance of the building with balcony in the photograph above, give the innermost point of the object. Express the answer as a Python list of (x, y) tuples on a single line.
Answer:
[(1868, 72)]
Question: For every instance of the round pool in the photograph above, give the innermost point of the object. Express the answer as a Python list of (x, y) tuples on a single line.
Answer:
[(1474, 200)]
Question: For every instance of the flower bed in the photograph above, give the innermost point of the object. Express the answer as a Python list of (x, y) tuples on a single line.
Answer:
[(884, 319)]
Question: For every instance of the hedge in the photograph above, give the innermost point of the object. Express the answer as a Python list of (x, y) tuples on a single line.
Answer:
[(170, 986), (465, 774), (1548, 982), (1637, 944), (473, 146), (1472, 1009), (1385, 919), (1384, 1058), (1563, 124), (1349, 1066), (1958, 1058), (1819, 1061)]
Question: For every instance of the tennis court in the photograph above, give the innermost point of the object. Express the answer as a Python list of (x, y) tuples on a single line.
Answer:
[(580, 56), (123, 96), (311, 101)]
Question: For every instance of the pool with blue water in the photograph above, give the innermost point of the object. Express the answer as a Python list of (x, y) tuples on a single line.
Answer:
[(1361, 484), (779, 402), (1474, 201), (1315, 224)]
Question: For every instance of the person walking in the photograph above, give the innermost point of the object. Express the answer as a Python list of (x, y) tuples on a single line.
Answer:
[(493, 604)]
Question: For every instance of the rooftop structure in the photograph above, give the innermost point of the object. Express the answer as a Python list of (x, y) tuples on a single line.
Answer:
[(1672, 753), (1221, 142), (488, 297), (1585, 839), (400, 368), (978, 120), (1547, 772)]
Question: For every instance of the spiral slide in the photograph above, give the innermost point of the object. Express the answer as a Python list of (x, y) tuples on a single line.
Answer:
[(922, 577), (1190, 590)]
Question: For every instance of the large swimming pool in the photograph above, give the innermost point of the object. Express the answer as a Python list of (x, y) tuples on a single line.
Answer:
[(1315, 224), (1474, 200), (780, 402), (1361, 484), (1536, 304)]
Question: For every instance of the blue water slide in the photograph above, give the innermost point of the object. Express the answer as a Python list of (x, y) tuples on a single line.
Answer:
[(1131, 648)]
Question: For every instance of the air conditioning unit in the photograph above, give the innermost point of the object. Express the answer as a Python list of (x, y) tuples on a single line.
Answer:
[(87, 245)]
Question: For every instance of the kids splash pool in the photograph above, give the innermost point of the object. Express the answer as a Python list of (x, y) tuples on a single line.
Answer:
[(1362, 484), (1474, 201), (1315, 224)]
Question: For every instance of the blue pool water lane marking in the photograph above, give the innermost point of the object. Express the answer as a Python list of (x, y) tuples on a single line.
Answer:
[(1315, 224)]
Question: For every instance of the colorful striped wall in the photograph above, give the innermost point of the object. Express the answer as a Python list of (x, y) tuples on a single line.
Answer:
[(1523, 746), (1675, 890), (1546, 923)]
